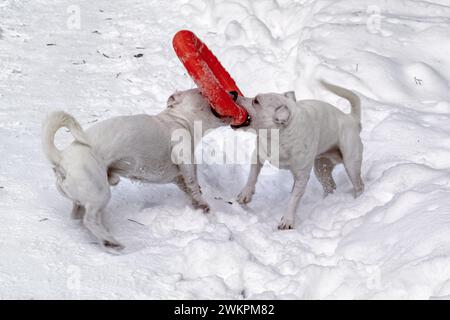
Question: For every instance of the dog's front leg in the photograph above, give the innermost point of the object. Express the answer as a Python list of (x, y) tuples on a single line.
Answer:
[(190, 179), (245, 196), (77, 211), (300, 182)]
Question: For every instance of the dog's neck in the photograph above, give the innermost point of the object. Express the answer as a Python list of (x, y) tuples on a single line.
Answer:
[(187, 120)]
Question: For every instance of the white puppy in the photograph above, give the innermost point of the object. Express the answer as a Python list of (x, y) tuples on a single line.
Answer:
[(137, 147), (311, 134)]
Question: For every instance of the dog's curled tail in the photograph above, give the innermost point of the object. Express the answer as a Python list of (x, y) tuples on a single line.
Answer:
[(55, 121), (354, 100)]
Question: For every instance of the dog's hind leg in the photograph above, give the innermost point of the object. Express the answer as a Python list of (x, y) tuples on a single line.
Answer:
[(352, 158), (92, 221), (323, 170), (353, 169), (77, 211)]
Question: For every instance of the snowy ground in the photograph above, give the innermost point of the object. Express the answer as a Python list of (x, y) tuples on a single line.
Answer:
[(392, 242)]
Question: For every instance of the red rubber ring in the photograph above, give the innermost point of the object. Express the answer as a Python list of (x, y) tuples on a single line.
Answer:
[(210, 76)]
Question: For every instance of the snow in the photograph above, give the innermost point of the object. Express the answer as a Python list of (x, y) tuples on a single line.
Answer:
[(391, 242)]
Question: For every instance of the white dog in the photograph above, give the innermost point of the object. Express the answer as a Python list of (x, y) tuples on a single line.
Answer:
[(137, 147), (311, 134)]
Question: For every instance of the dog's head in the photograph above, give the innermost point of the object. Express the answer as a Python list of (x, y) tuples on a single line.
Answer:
[(192, 104), (186, 99), (269, 110)]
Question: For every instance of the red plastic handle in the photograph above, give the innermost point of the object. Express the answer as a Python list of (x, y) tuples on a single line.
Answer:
[(210, 76)]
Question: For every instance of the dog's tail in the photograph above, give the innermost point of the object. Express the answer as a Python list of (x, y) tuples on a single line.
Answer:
[(354, 100), (52, 124)]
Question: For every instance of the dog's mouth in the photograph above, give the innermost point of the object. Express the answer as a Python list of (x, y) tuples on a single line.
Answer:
[(215, 113), (246, 123), (228, 120)]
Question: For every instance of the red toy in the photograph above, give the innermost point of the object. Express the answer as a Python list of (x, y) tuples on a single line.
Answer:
[(210, 76)]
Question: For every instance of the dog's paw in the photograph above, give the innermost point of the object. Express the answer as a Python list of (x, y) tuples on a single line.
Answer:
[(202, 206), (358, 192), (76, 215), (112, 247), (245, 196), (286, 224), (326, 193)]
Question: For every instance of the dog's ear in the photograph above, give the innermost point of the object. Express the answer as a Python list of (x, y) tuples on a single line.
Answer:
[(173, 100), (170, 101), (234, 95), (290, 95), (282, 115)]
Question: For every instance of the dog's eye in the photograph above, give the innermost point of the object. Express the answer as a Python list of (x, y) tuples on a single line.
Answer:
[(255, 101)]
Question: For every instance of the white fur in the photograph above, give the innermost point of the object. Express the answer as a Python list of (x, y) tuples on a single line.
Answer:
[(136, 147), (312, 134)]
